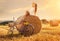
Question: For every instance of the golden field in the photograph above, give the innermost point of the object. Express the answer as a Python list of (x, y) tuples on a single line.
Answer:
[(47, 33)]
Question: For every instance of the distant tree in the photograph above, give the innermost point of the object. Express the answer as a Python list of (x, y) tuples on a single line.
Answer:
[(5, 22)]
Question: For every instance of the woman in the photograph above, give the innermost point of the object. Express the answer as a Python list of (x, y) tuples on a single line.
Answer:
[(33, 10)]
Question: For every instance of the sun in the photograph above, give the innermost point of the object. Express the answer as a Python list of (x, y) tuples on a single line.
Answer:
[(58, 4)]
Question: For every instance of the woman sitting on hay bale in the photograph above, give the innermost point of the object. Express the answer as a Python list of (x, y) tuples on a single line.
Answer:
[(28, 24)]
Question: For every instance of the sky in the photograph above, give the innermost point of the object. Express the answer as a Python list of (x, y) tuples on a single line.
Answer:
[(47, 9)]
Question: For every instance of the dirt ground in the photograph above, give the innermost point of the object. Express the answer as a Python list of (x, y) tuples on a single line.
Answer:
[(47, 33)]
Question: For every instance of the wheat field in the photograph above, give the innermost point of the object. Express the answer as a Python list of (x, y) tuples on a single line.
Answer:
[(47, 33)]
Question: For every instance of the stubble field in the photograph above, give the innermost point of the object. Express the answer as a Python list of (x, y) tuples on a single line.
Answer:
[(47, 33)]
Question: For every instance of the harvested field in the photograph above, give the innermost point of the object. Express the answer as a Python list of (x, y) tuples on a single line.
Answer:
[(47, 33)]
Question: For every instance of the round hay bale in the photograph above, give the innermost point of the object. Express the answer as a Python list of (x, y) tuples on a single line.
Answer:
[(44, 21), (54, 23), (31, 19)]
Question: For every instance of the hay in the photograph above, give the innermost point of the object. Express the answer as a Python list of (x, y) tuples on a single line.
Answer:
[(34, 20), (44, 21), (54, 23)]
